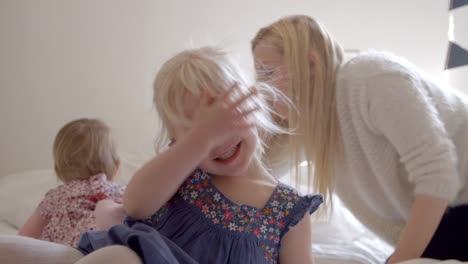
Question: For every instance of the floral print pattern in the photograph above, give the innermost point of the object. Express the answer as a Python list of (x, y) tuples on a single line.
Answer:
[(267, 225), (69, 207)]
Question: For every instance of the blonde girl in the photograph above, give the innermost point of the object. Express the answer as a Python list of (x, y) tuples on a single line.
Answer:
[(208, 198)]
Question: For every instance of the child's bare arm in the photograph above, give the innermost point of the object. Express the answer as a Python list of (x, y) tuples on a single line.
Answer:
[(33, 226), (296, 245), (108, 213), (158, 180)]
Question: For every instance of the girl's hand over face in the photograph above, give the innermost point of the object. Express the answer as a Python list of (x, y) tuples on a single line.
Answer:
[(220, 119)]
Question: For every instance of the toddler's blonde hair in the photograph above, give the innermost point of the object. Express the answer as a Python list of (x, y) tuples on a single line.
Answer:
[(207, 69), (84, 148)]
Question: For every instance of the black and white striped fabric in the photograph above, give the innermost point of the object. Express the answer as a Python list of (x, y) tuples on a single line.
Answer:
[(457, 56)]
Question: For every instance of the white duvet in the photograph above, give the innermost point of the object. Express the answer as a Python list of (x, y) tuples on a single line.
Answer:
[(340, 240)]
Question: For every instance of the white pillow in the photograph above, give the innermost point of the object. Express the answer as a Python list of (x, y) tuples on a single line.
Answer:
[(20, 193)]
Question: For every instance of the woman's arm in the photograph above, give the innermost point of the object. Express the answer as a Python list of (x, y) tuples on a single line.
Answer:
[(33, 226), (424, 219), (401, 110), (296, 245)]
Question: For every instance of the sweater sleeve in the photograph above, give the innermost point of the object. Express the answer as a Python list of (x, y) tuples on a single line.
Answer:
[(401, 110)]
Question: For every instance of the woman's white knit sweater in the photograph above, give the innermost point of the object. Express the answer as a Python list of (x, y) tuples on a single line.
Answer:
[(402, 135)]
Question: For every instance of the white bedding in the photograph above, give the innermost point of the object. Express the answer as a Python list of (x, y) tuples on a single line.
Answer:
[(344, 238), (341, 240), (430, 261)]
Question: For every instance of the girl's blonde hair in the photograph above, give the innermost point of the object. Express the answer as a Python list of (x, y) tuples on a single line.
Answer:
[(84, 148), (312, 58), (206, 70)]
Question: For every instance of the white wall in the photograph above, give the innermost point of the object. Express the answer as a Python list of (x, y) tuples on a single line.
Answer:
[(458, 76), (64, 59)]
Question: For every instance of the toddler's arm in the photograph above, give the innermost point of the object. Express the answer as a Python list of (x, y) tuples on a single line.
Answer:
[(33, 226), (158, 180), (108, 213), (296, 245)]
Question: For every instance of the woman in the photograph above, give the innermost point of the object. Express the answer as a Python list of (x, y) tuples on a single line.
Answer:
[(375, 130)]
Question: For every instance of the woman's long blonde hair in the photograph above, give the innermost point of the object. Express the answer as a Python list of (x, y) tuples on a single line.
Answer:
[(312, 58)]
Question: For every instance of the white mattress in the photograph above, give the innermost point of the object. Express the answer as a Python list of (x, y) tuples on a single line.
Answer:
[(344, 238), (340, 240)]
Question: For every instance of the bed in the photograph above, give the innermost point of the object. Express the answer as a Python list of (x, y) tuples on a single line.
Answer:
[(339, 240)]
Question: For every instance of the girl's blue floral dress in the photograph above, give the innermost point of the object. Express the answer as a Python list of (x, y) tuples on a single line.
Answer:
[(201, 225)]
